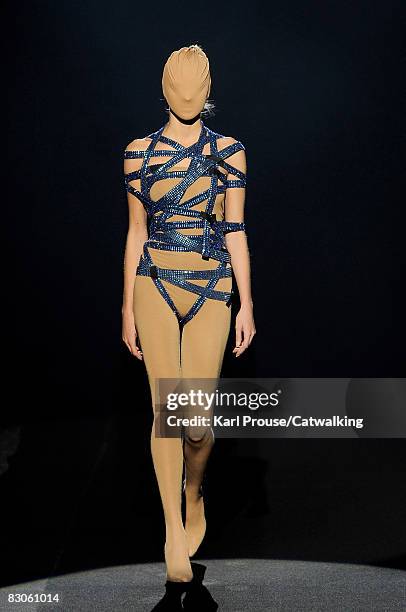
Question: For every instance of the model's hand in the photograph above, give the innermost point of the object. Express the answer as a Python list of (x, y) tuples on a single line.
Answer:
[(244, 329), (130, 335)]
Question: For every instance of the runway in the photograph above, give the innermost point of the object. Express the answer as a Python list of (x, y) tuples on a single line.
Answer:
[(237, 585)]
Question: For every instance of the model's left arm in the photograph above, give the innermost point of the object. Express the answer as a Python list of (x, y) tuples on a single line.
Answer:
[(237, 245)]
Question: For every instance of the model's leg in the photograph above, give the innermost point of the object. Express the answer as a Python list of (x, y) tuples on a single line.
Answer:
[(158, 332), (203, 344)]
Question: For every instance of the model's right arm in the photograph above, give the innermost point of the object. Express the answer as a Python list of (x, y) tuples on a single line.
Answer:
[(136, 236)]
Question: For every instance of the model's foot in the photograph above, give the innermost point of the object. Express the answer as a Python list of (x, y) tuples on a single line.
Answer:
[(195, 525), (178, 568)]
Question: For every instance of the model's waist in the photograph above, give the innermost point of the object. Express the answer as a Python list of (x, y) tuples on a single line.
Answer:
[(216, 229), (219, 254), (151, 269)]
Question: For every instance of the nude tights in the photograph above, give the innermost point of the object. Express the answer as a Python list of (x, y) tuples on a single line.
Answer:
[(196, 353)]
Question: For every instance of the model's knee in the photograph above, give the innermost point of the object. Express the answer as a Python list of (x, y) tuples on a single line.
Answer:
[(199, 436)]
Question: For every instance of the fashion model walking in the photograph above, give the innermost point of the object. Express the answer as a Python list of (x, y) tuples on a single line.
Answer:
[(186, 185)]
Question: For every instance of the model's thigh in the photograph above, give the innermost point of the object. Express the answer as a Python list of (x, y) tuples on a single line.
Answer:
[(204, 341), (202, 351), (158, 332)]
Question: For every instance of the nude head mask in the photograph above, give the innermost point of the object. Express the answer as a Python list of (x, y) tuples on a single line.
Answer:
[(186, 81)]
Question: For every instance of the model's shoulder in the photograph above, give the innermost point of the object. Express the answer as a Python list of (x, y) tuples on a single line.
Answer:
[(226, 141), (234, 148), (234, 151), (138, 144)]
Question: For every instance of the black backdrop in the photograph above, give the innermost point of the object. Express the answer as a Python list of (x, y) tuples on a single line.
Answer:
[(315, 91)]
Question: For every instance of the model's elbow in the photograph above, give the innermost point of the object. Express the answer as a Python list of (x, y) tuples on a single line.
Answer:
[(137, 233), (236, 242)]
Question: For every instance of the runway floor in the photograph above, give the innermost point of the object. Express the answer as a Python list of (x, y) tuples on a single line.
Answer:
[(239, 585)]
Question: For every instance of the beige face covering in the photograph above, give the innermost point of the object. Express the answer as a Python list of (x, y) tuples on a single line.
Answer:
[(186, 81)]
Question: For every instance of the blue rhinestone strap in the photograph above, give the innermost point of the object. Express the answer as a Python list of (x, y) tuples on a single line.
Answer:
[(164, 234)]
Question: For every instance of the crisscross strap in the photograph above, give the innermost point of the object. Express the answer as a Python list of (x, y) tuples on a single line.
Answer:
[(164, 234)]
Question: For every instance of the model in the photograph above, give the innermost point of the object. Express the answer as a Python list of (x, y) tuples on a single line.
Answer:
[(189, 183)]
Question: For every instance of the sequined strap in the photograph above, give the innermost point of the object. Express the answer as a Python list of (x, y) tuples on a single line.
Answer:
[(164, 234), (180, 243), (170, 273), (236, 183), (180, 278), (146, 267), (225, 226), (231, 226), (141, 153)]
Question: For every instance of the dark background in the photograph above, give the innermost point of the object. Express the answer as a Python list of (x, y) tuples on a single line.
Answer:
[(315, 91)]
